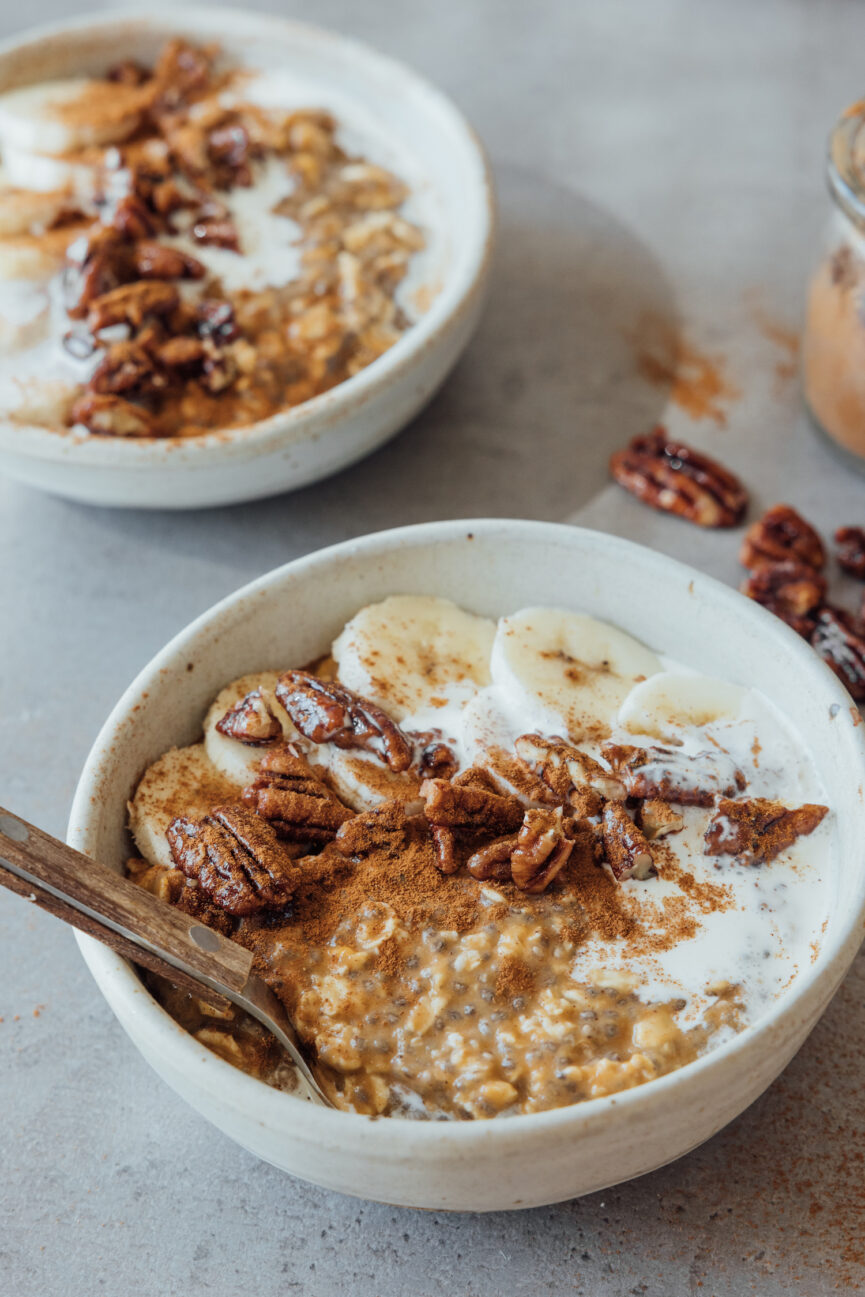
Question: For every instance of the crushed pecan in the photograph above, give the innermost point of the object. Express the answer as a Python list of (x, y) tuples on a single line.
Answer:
[(840, 642), (756, 830), (657, 819), (327, 712), (541, 850), (470, 807), (493, 861), (383, 828), (126, 367), (626, 849), (217, 232), (531, 857), (566, 770), (133, 219), (444, 841), (111, 416), (128, 72), (433, 757), (132, 304), (672, 776), (300, 806), (250, 721), (158, 261), (792, 591), (671, 476), (235, 858), (781, 534), (215, 319), (851, 550)]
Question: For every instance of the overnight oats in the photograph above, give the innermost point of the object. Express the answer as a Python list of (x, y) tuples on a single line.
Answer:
[(490, 868), (193, 246)]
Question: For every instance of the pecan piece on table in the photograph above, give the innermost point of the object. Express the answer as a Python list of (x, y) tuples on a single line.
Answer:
[(250, 721), (235, 858), (671, 776), (792, 591), (626, 848), (841, 644), (566, 770), (158, 261), (851, 550), (779, 535), (301, 808), (111, 416), (671, 476), (657, 819), (469, 807), (756, 830), (132, 303), (383, 828), (326, 712)]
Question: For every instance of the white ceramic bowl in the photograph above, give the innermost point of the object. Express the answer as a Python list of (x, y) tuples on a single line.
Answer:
[(310, 441), (491, 567)]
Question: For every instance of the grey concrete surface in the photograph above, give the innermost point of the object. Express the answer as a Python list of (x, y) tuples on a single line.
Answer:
[(655, 157)]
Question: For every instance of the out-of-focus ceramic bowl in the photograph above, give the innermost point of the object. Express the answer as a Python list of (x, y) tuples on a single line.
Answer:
[(298, 446), (491, 567)]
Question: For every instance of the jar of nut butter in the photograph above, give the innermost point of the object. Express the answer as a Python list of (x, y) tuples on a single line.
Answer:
[(833, 346)]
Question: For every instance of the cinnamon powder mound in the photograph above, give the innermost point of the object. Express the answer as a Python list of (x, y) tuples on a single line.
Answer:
[(514, 978)]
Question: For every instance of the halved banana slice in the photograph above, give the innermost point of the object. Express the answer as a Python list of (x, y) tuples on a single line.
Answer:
[(61, 116), (38, 256), (79, 174), (37, 402), (364, 783), (28, 211), (567, 669), (236, 760), (25, 314), (182, 782), (671, 701), (411, 652)]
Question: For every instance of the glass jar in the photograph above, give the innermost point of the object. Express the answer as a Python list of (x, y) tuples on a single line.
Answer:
[(833, 345)]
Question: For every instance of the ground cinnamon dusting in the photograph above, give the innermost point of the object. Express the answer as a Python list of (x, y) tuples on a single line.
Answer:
[(697, 381)]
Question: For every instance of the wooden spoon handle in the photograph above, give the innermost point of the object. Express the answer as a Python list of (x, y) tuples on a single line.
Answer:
[(107, 906)]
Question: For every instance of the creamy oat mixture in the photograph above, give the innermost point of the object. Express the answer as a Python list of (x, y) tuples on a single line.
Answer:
[(191, 246), (491, 868)]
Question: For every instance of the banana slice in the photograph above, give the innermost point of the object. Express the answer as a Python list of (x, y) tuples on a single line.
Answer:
[(80, 174), (27, 211), (411, 652), (38, 256), (37, 402), (670, 701), (567, 670), (62, 116), (182, 782), (364, 783), (25, 314), (233, 759)]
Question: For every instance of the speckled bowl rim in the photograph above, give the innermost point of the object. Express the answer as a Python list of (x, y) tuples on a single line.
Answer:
[(463, 282), (234, 1089)]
